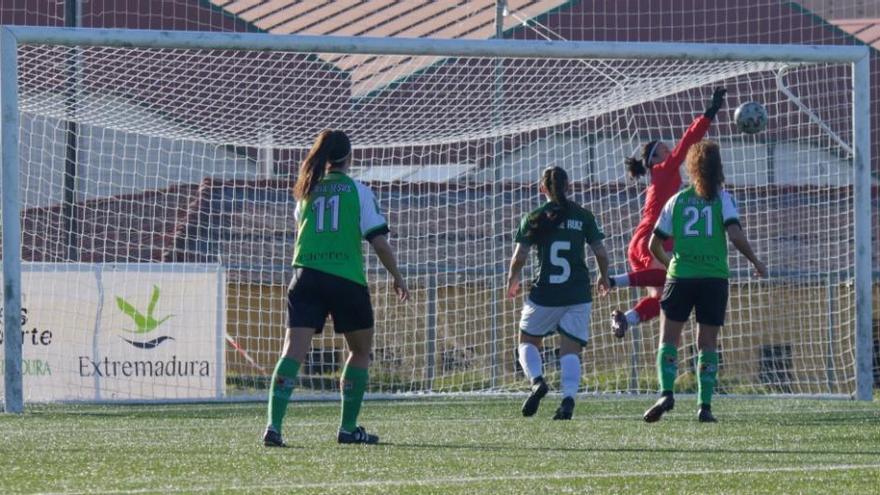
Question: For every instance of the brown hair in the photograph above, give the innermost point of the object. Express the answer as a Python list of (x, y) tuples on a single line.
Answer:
[(331, 148), (555, 181), (705, 169), (637, 168)]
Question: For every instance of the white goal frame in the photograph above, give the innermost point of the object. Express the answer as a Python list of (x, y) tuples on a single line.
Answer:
[(12, 36)]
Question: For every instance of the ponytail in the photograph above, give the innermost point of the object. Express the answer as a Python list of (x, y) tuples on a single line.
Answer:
[(331, 147), (556, 182), (541, 223), (637, 168)]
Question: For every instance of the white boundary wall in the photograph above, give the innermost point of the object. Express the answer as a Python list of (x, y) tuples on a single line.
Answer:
[(79, 344)]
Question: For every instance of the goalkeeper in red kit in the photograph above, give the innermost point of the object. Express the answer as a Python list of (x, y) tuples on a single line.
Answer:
[(662, 167)]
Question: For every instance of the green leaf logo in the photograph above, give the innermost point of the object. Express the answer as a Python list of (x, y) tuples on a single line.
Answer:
[(143, 323)]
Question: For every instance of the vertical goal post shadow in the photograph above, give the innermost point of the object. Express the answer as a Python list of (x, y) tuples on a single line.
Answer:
[(13, 36)]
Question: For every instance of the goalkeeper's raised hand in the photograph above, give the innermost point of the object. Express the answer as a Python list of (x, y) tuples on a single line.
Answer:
[(716, 103)]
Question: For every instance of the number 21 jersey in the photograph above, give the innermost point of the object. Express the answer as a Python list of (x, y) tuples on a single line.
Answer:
[(699, 228)]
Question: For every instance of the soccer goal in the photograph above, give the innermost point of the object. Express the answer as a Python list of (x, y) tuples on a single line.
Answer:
[(148, 227)]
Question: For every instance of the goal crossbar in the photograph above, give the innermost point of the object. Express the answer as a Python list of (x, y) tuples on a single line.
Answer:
[(13, 36), (435, 47)]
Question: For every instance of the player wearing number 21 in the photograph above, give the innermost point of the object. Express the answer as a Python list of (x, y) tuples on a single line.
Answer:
[(700, 218), (662, 167), (560, 296), (334, 213)]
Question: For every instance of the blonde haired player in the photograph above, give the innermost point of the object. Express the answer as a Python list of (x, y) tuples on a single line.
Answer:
[(701, 219)]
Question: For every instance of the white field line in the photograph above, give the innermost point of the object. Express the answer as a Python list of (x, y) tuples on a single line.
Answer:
[(200, 424), (417, 401), (782, 408), (219, 406), (293, 424), (464, 480)]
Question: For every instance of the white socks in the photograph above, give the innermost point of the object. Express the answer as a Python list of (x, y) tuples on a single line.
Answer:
[(530, 360), (621, 280), (570, 378), (569, 364)]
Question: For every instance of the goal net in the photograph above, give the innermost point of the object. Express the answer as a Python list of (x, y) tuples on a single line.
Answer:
[(157, 220)]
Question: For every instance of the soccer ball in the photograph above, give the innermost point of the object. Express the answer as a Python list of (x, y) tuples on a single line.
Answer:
[(751, 117)]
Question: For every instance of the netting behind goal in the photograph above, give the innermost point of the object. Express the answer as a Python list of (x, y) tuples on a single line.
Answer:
[(158, 220)]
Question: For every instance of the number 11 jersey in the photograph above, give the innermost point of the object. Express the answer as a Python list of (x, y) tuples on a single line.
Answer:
[(331, 222)]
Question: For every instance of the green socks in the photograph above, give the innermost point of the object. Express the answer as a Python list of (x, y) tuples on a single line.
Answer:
[(279, 392), (667, 366), (707, 364), (354, 384)]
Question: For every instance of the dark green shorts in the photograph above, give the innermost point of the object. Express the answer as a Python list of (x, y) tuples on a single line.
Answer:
[(312, 295), (707, 295)]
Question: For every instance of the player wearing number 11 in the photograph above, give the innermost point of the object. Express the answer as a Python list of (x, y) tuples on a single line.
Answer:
[(560, 297), (700, 218), (334, 213)]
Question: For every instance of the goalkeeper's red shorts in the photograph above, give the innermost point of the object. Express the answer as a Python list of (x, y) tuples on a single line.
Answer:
[(638, 254)]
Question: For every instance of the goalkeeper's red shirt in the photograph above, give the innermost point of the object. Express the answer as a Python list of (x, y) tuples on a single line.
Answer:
[(665, 182)]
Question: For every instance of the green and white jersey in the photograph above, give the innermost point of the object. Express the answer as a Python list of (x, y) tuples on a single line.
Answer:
[(699, 228), (562, 277), (331, 223)]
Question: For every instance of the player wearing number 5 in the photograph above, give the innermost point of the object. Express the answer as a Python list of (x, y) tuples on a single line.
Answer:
[(560, 297), (700, 218), (333, 214)]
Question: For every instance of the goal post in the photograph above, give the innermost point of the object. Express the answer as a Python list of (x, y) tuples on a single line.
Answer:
[(862, 184), (443, 131), (11, 228)]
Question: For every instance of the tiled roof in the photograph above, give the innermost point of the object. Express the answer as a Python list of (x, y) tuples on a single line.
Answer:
[(866, 30), (470, 19)]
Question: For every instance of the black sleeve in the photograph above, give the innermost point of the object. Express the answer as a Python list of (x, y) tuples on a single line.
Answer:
[(380, 230), (660, 234)]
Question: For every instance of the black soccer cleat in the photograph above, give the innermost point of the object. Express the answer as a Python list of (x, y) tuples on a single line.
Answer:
[(359, 435), (619, 325), (539, 390), (565, 409), (272, 438), (664, 403), (704, 414)]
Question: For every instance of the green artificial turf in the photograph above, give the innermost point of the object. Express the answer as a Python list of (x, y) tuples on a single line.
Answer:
[(447, 446)]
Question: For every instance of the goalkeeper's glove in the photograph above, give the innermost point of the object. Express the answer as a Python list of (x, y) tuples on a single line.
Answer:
[(716, 103)]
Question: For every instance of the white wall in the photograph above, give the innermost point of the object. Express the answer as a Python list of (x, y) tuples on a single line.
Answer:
[(745, 163), (526, 163), (115, 162), (112, 162)]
